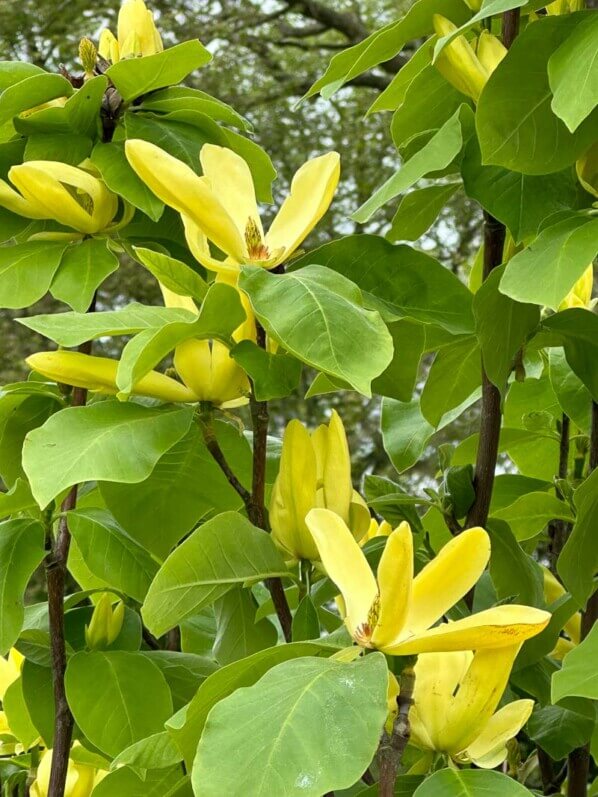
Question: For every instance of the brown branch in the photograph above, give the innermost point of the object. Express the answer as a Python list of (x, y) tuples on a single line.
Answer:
[(392, 746), (56, 570), (256, 508), (213, 447), (558, 530)]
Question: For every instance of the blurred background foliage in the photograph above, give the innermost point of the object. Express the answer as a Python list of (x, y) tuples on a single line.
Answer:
[(266, 55)]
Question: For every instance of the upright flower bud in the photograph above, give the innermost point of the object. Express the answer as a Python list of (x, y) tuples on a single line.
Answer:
[(80, 778), (315, 471), (459, 63), (106, 623), (88, 55), (137, 34)]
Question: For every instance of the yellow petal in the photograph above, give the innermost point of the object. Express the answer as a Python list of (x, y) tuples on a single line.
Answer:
[(312, 189), (99, 373), (494, 628), (9, 672), (437, 676), (359, 517), (477, 697), (136, 30), (200, 249), (172, 299), (587, 169), (13, 201), (580, 294), (458, 62), (395, 577), (231, 179), (489, 749), (448, 577), (178, 186), (490, 51), (345, 564), (294, 494), (108, 46), (334, 466)]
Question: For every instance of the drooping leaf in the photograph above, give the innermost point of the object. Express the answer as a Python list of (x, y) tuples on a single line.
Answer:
[(337, 711), (578, 676), (405, 432), (112, 163), (129, 684), (27, 271), (514, 573), (273, 375), (318, 316), (530, 513), (225, 551), (577, 330), (108, 441), (21, 550), (173, 274), (82, 270), (418, 210), (454, 376), (239, 633)]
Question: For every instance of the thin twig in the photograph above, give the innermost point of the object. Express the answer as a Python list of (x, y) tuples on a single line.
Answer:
[(213, 446), (392, 745)]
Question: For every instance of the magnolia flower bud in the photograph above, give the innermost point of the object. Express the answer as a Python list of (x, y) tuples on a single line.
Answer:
[(88, 56), (106, 623), (137, 34)]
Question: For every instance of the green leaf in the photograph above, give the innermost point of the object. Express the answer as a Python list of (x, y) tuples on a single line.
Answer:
[(573, 396), (188, 724), (398, 380), (273, 375), (27, 271), (185, 485), (157, 751), (20, 414), (470, 783), (527, 136), (238, 633), (72, 329), (31, 92), (177, 98), (110, 553), (184, 672), (227, 550), (83, 268), (503, 326), (578, 563), (219, 315), (405, 432), (38, 692), (578, 676), (578, 332), (136, 76), (429, 102), (12, 72), (129, 699), (107, 441), (530, 513), (173, 274), (337, 710), (521, 201), (21, 550), (83, 106), (16, 499), (384, 44), (124, 782), (306, 624), (112, 163), (488, 9), (17, 715), (515, 575), (558, 730), (394, 94), (573, 74), (318, 316), (435, 155), (548, 268), (400, 281), (65, 147), (418, 210), (454, 376)]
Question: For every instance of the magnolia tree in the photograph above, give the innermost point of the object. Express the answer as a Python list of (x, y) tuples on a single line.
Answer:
[(226, 613)]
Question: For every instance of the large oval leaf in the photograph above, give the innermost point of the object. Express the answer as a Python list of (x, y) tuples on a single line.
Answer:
[(117, 698), (308, 726), (227, 550), (108, 441), (470, 783)]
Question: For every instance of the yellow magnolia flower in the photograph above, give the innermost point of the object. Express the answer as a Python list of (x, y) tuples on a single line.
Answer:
[(80, 778), (394, 612), (206, 366), (559, 7), (137, 34), (67, 194), (315, 471), (376, 529), (99, 374), (463, 67), (10, 670), (106, 623), (553, 590), (580, 294), (221, 208), (587, 170), (454, 703)]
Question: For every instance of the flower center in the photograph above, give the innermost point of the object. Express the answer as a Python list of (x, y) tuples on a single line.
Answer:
[(256, 248), (364, 631)]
